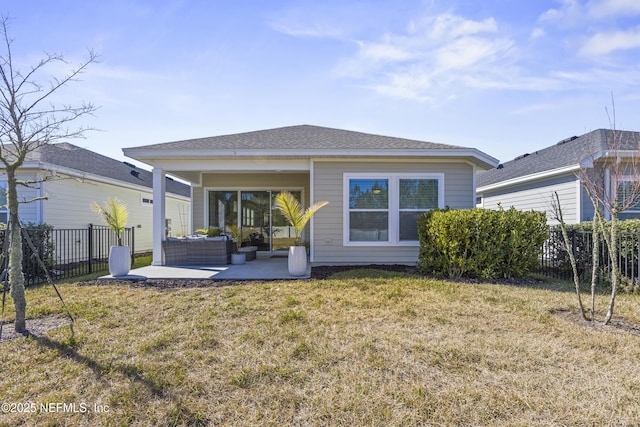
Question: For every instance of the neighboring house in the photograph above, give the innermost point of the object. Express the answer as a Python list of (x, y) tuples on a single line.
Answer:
[(79, 177), (529, 181), (376, 187)]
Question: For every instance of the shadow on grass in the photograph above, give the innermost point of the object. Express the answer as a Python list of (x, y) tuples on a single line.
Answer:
[(99, 369), (182, 413)]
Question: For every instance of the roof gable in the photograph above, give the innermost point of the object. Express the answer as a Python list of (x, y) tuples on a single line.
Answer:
[(568, 153), (85, 161), (303, 137)]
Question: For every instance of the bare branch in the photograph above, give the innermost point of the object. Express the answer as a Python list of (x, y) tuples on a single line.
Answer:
[(26, 124)]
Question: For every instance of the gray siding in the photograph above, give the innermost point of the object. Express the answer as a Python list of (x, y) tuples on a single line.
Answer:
[(537, 196), (328, 225)]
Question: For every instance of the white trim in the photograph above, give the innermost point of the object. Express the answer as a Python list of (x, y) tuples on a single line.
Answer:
[(155, 154), (527, 178), (393, 210), (40, 205), (579, 201), (587, 162), (474, 178), (159, 215), (311, 221), (93, 177)]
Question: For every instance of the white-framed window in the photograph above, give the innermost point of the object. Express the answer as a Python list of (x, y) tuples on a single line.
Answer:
[(146, 200), (627, 185), (4, 215), (383, 209)]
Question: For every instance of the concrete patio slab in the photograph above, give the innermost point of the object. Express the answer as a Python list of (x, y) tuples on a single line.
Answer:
[(262, 268)]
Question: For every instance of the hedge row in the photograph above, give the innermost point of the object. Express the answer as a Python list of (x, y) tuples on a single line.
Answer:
[(480, 243)]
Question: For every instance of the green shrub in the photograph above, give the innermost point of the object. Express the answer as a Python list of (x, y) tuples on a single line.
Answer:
[(40, 235), (480, 243)]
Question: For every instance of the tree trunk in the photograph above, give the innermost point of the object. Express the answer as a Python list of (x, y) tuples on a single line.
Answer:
[(569, 247), (615, 271), (595, 261), (16, 276)]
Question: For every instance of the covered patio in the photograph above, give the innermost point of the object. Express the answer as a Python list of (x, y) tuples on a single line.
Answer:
[(262, 268)]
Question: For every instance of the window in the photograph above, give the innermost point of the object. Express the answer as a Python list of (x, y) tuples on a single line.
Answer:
[(384, 209), (146, 200), (368, 210), (627, 186), (416, 197)]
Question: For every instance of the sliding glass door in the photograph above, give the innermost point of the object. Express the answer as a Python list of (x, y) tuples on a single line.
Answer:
[(255, 212), (256, 218)]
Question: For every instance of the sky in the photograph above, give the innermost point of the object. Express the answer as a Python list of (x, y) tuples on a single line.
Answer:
[(507, 77)]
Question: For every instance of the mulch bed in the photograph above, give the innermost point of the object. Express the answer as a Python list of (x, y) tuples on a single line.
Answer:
[(317, 273), (35, 327)]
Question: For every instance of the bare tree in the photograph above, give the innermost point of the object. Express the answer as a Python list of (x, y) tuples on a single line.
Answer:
[(28, 120), (557, 214), (602, 183)]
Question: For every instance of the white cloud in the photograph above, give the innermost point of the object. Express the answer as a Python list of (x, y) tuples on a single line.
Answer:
[(436, 54), (606, 42), (599, 9), (570, 12), (465, 52), (315, 30), (577, 12), (448, 26), (385, 52), (537, 33)]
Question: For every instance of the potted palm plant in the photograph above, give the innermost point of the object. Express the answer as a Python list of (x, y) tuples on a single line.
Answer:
[(237, 234), (115, 214), (298, 218)]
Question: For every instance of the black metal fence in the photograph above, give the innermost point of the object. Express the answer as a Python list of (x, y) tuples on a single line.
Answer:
[(69, 253), (554, 261)]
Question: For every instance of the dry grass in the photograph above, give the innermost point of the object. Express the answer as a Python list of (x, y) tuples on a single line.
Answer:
[(344, 352)]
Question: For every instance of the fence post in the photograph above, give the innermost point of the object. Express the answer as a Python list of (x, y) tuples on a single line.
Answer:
[(132, 243), (573, 242), (90, 240)]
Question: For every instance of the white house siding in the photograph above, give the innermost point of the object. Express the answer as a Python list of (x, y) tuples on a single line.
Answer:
[(69, 206), (245, 181), (328, 222), (537, 196)]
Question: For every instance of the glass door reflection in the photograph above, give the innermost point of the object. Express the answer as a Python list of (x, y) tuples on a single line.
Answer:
[(255, 217)]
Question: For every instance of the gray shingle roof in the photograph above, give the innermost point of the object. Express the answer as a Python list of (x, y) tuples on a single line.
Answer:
[(569, 152), (85, 161), (302, 137)]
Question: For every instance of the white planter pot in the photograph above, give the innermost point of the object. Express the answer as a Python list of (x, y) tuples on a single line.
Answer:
[(237, 259), (119, 260), (297, 261)]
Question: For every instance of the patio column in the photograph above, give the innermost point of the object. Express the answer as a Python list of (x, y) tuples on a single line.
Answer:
[(159, 214)]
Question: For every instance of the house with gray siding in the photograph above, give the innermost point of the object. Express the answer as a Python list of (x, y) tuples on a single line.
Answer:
[(72, 177), (376, 187), (529, 181)]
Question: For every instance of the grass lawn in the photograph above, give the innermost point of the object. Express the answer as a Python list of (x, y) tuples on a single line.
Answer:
[(359, 349)]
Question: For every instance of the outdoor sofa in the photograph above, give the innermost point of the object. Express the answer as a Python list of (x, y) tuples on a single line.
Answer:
[(198, 251)]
